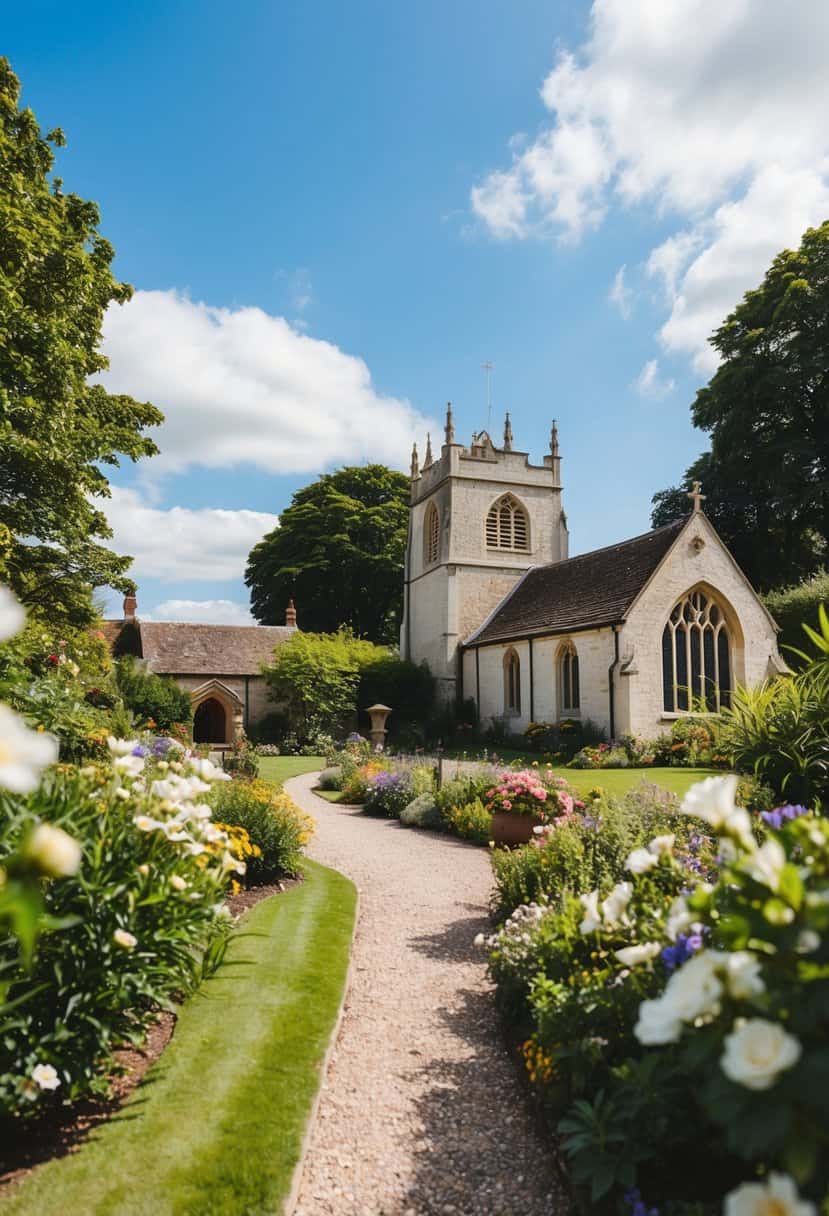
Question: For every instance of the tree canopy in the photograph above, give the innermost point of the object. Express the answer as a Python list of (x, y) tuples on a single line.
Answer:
[(338, 551), (766, 409), (56, 428)]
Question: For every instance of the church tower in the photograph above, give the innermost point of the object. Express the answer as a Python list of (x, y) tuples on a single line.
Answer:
[(479, 518)]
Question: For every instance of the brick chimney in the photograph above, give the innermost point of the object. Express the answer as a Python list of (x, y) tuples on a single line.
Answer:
[(290, 615), (130, 607)]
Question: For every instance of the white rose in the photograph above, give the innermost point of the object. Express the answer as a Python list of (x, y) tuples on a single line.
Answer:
[(12, 616), (694, 990), (632, 956), (661, 846), (124, 939), (592, 917), (640, 861), (766, 865), (53, 851), (657, 1024), (24, 753), (45, 1076), (121, 747), (743, 975), (776, 1196), (757, 1051), (613, 908)]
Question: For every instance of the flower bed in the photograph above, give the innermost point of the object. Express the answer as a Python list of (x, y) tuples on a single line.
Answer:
[(676, 1012)]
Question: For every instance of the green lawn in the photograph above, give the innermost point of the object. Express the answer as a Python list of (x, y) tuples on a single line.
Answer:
[(280, 768), (620, 780), (217, 1126)]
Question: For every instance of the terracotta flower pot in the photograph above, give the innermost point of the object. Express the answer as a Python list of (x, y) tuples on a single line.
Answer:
[(511, 829)]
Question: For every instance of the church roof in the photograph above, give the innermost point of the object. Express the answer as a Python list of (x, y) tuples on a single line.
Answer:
[(177, 648), (586, 592)]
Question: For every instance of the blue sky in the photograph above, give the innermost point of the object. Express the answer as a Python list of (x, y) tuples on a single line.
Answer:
[(332, 214)]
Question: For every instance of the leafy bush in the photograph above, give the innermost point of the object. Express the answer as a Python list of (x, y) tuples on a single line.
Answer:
[(563, 739), (273, 822), (331, 778), (409, 688), (357, 779), (422, 812), (156, 702), (465, 787), (470, 821), (794, 607), (268, 749), (693, 743), (390, 792), (242, 760)]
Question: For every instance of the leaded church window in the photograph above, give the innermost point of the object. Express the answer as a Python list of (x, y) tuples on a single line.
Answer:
[(431, 535), (569, 690), (507, 525), (696, 656), (512, 682)]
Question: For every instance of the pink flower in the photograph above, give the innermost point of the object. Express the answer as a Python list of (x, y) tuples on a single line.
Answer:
[(540, 795), (507, 804)]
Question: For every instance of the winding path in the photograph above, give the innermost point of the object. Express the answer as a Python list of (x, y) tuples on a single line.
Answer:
[(421, 1112)]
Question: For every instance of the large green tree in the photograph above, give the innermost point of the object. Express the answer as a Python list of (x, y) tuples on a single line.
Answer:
[(57, 430), (338, 552), (766, 409)]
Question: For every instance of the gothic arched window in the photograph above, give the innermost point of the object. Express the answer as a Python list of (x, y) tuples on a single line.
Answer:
[(512, 682), (568, 678), (431, 535), (507, 525), (696, 656)]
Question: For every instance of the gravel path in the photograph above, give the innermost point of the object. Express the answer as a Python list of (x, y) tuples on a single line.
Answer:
[(421, 1111)]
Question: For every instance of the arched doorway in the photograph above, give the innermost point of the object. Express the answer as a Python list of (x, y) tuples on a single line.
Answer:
[(210, 722)]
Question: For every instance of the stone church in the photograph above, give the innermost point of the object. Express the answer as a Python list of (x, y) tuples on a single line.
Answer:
[(631, 636)]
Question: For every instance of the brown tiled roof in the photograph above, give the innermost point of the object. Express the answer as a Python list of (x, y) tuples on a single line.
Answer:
[(584, 592), (176, 648)]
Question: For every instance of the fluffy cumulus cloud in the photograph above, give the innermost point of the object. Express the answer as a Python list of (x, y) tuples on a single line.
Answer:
[(238, 386), (709, 114), (209, 612), (179, 544)]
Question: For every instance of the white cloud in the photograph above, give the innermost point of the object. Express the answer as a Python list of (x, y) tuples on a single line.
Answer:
[(620, 294), (651, 385), (207, 612), (710, 113), (182, 543), (238, 386)]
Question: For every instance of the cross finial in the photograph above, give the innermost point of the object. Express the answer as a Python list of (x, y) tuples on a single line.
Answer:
[(696, 497), (450, 424), (415, 469), (507, 434)]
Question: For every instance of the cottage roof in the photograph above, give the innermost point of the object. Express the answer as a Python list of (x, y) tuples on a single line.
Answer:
[(586, 592), (181, 649)]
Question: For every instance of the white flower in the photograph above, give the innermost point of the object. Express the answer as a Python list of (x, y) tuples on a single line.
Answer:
[(807, 942), (592, 917), (743, 975), (632, 956), (200, 811), (123, 794), (212, 834), (144, 870), (130, 766), (12, 615), (657, 1024), (757, 1051), (640, 861), (124, 939), (121, 747), (679, 918), (145, 823), (24, 753), (711, 800), (53, 851), (232, 865), (45, 1076), (613, 908), (661, 846), (208, 770), (178, 883), (766, 865), (776, 1196)]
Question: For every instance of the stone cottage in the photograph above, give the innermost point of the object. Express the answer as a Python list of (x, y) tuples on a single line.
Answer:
[(220, 666), (631, 636)]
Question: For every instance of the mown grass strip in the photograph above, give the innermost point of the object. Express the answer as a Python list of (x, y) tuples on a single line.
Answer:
[(280, 768), (216, 1128)]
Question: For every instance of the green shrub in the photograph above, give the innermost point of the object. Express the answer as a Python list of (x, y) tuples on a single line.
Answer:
[(466, 787), (272, 820), (331, 778), (422, 812), (315, 677), (409, 688), (794, 607), (470, 821), (242, 760), (156, 701)]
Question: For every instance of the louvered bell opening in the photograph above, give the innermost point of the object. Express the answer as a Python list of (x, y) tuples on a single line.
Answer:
[(519, 530)]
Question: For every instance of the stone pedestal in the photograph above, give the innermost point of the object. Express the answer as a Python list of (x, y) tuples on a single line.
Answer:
[(378, 715)]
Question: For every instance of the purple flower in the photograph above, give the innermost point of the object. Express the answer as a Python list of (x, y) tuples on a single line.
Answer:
[(161, 747), (638, 1207), (686, 944), (139, 751), (782, 814)]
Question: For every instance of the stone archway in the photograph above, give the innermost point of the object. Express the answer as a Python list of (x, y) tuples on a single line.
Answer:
[(210, 722)]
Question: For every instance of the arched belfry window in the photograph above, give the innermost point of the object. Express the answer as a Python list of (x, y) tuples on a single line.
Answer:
[(568, 678), (512, 682), (696, 656), (431, 535), (507, 525)]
